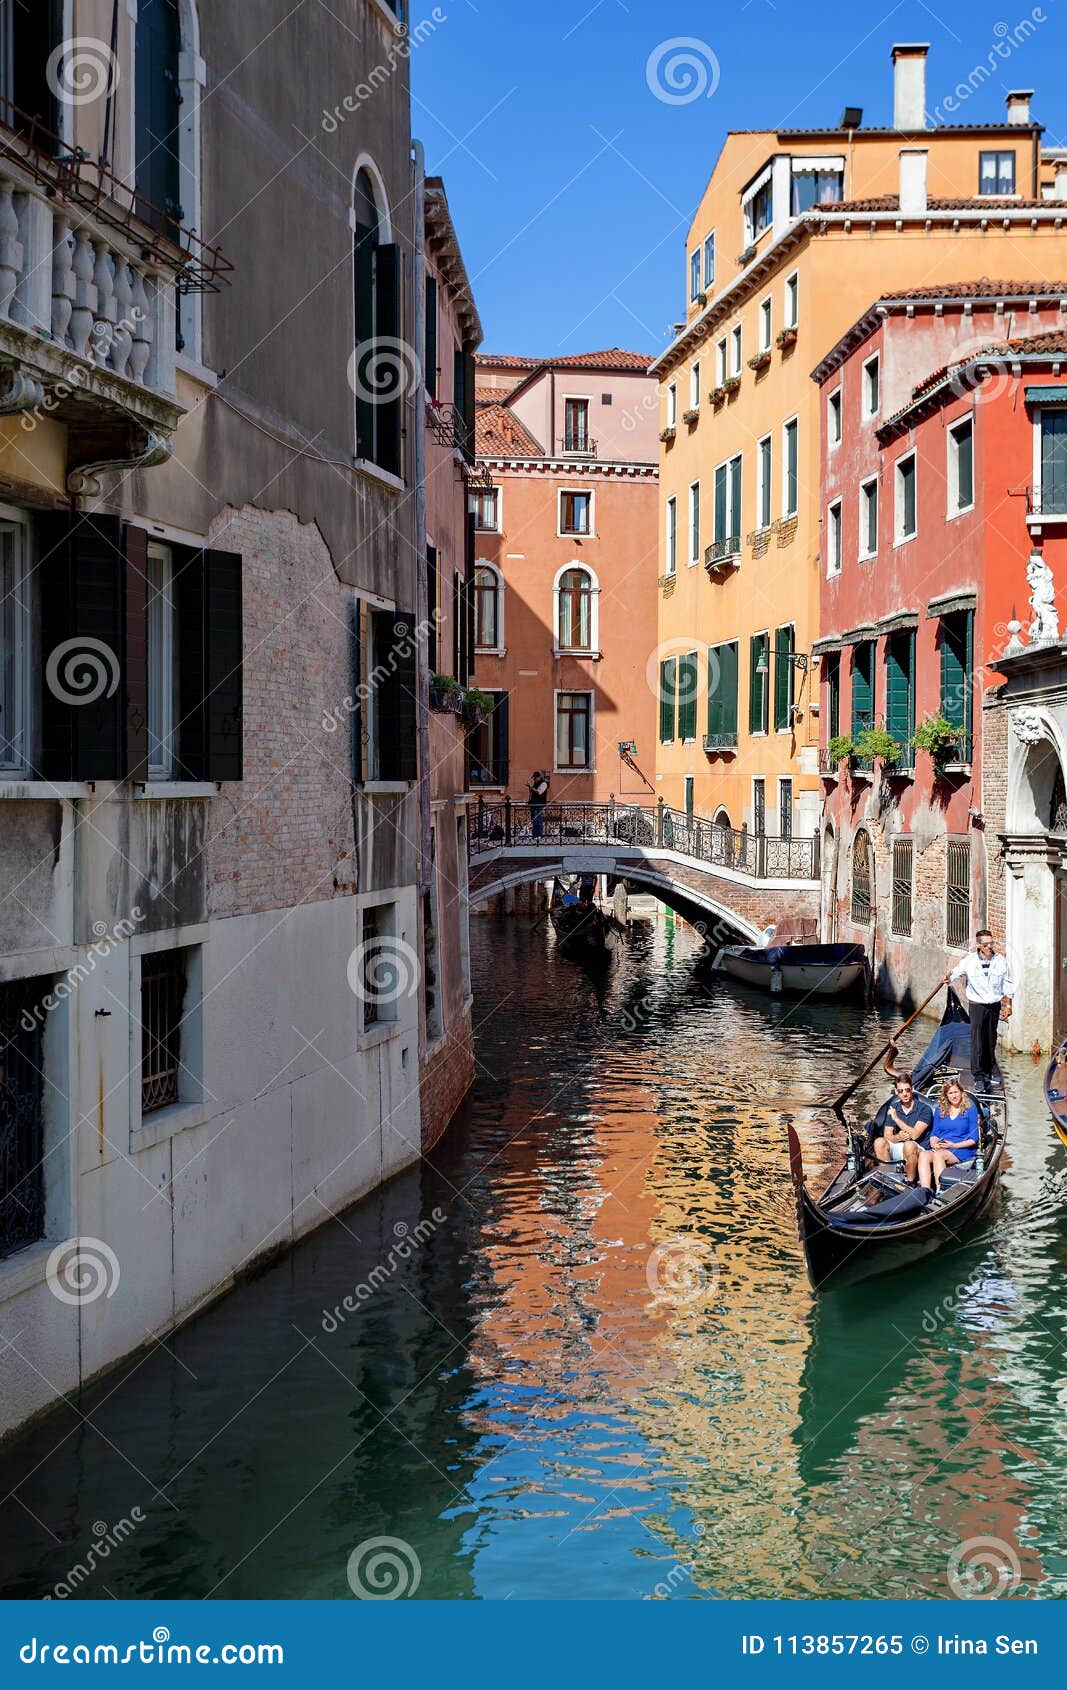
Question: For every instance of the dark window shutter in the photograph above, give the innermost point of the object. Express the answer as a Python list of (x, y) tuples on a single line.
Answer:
[(459, 380), (430, 371), (136, 670), (719, 532), (82, 574), (355, 676), (501, 747), (387, 277), (457, 618), (433, 607), (833, 694), (363, 248), (395, 650), (157, 175), (900, 686), (468, 401), (210, 689)]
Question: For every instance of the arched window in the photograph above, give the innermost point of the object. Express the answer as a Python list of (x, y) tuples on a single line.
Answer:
[(488, 608), (862, 879), (381, 374), (1057, 820), (576, 609)]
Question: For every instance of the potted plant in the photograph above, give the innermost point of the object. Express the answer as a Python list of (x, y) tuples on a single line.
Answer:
[(691, 415), (785, 339), (840, 747), (477, 707), (445, 693), (936, 735), (717, 395), (731, 385), (759, 361), (667, 434), (878, 742)]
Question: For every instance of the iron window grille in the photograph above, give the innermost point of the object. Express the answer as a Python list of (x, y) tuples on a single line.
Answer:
[(862, 906), (162, 996), (903, 862), (958, 894)]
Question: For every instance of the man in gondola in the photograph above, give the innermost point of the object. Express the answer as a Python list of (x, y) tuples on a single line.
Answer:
[(905, 1121), (989, 989)]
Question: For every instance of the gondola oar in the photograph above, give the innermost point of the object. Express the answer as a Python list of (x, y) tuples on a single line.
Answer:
[(895, 1040)]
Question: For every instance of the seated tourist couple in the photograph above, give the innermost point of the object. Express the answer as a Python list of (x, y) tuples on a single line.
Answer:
[(927, 1140)]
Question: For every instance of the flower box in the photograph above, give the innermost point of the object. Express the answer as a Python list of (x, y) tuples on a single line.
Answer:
[(759, 362), (731, 385), (691, 416), (786, 339), (667, 434), (717, 395)]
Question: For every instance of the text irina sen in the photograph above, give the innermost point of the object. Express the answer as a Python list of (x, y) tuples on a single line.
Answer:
[(867, 1643)]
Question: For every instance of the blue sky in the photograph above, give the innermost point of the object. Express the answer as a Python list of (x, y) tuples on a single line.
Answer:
[(572, 184)]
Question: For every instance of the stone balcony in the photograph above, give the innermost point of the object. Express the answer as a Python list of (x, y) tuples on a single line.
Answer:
[(89, 281)]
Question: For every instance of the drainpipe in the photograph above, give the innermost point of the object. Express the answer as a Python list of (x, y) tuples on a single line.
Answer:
[(422, 588)]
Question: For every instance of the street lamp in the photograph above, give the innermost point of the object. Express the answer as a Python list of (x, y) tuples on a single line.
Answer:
[(799, 659)]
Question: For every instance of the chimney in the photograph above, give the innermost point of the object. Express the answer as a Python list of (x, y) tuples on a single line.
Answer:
[(1019, 106), (913, 181), (1059, 192), (909, 85)]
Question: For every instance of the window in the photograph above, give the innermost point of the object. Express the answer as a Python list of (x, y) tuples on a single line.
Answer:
[(957, 662), (727, 516), (575, 610), (163, 982), (377, 273), (668, 699), (22, 1146), (574, 713), (833, 539), (28, 36), (862, 687), (758, 206), (870, 387), (785, 808), (784, 677), (709, 263), (576, 425), (905, 498), (759, 806), (961, 466), (862, 879), (903, 872), (833, 418), (694, 522), (722, 695), (1053, 489), (672, 535), (758, 670), (162, 662), (900, 689), (488, 593), (869, 517), (694, 387), (688, 682), (487, 510), (735, 350), (575, 513), (690, 797), (694, 276), (430, 351), (763, 483), (15, 635), (765, 325), (392, 692), (831, 670), (791, 313), (958, 895), (157, 111), (672, 405), (815, 183), (790, 481), (996, 173), (379, 983), (488, 744), (720, 362)]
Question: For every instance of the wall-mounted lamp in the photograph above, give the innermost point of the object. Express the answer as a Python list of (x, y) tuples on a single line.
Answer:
[(799, 660)]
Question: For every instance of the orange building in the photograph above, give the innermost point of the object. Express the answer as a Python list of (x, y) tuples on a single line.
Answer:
[(565, 574), (797, 231)]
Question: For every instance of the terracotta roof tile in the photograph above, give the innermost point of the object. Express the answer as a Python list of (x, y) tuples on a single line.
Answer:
[(614, 358), (983, 288), (891, 202), (498, 433)]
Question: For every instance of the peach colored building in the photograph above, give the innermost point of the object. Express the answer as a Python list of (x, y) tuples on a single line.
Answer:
[(565, 574)]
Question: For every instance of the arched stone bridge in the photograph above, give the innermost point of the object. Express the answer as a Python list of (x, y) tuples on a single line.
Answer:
[(730, 883)]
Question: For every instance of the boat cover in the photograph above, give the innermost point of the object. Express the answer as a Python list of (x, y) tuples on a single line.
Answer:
[(821, 956), (950, 1045), (895, 1208)]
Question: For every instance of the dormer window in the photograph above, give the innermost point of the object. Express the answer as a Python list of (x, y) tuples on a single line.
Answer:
[(816, 181), (996, 174), (757, 205)]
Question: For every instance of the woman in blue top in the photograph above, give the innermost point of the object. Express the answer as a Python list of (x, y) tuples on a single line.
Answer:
[(953, 1135)]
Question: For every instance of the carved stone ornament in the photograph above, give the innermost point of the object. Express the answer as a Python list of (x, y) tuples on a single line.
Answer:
[(1027, 726)]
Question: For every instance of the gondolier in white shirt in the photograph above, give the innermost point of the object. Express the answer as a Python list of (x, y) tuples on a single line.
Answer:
[(990, 989)]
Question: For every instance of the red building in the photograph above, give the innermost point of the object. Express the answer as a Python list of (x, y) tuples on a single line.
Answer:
[(943, 470)]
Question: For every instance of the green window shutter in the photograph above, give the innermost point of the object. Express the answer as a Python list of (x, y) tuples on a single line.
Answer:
[(833, 695), (728, 687), (757, 684), (668, 677), (715, 690), (389, 327), (720, 504), (900, 686), (783, 676), (735, 496), (687, 696), (1054, 460), (956, 644), (862, 687)]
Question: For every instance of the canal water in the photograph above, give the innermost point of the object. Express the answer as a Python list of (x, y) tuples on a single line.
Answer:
[(583, 1358)]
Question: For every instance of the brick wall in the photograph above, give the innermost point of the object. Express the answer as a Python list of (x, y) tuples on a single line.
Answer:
[(446, 1077), (995, 802)]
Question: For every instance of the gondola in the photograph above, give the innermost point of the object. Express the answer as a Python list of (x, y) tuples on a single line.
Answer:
[(825, 970), (1056, 1090), (869, 1221), (582, 929)]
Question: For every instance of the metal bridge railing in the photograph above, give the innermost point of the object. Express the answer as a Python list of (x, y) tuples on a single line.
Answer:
[(506, 822)]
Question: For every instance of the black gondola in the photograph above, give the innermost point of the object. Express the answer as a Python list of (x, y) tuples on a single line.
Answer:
[(869, 1220), (582, 929)]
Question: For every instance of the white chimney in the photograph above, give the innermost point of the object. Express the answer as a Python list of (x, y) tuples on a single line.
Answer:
[(913, 181), (1019, 106), (1059, 192), (909, 84)]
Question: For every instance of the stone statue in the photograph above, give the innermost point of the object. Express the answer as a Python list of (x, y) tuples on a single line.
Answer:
[(1027, 726), (1045, 627)]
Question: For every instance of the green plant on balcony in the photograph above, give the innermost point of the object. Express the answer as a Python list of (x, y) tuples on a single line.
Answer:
[(786, 338), (878, 742), (445, 693), (731, 386), (717, 395), (477, 706), (840, 746), (937, 735), (667, 434), (692, 415), (759, 361)]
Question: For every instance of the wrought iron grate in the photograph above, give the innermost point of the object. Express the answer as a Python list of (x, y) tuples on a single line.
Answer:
[(162, 994), (903, 860), (21, 1118), (861, 879), (958, 899)]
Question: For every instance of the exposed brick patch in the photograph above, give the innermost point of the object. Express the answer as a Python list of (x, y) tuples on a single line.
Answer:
[(445, 1080)]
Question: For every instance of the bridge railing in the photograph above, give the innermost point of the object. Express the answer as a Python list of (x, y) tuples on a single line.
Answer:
[(507, 821)]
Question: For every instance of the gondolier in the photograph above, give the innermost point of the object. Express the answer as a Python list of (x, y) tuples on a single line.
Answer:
[(990, 989)]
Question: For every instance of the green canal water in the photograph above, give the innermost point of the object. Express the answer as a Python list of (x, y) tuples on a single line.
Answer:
[(585, 1360)]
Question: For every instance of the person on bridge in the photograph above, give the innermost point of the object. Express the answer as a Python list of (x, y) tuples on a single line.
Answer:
[(538, 790), (990, 989), (905, 1121)]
